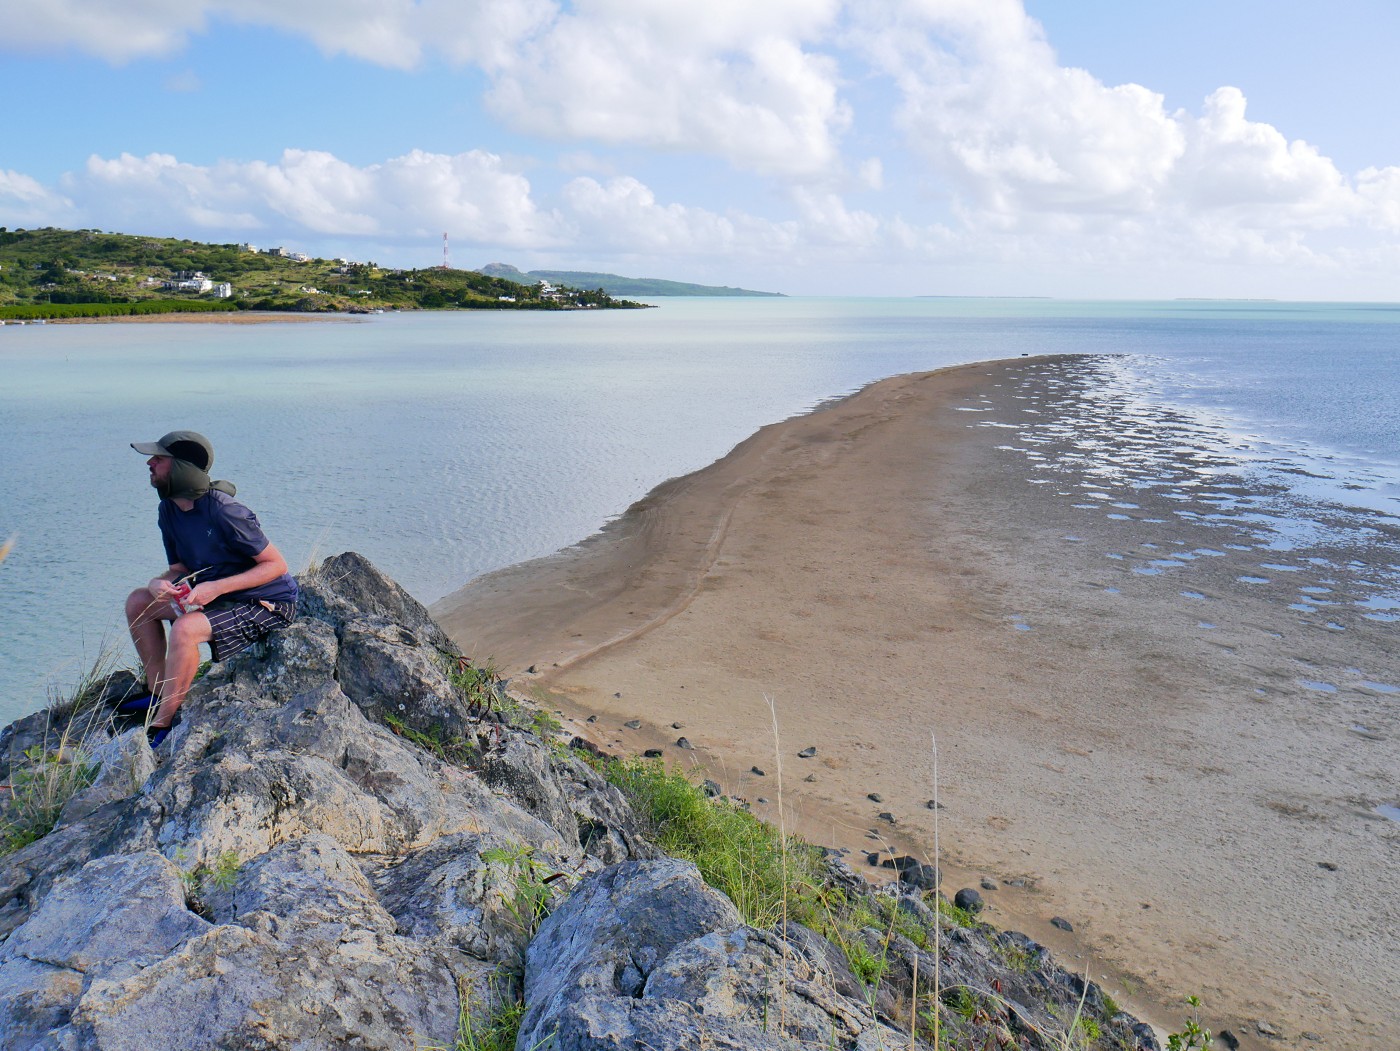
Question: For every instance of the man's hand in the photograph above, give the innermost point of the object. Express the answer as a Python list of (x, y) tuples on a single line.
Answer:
[(203, 595), (161, 588)]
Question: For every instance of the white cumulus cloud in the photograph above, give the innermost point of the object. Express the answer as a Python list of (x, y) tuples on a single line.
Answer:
[(474, 194), (734, 80)]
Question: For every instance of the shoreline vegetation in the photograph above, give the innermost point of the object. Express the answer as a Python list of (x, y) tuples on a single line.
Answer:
[(52, 274)]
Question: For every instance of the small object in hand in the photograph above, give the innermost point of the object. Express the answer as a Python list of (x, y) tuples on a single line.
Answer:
[(182, 594)]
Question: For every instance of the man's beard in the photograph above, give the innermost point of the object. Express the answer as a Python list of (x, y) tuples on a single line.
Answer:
[(162, 488)]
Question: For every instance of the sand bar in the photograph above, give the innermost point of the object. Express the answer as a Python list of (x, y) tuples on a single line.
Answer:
[(1137, 719)]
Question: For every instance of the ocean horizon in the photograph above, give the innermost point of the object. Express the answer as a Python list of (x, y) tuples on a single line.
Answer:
[(446, 445)]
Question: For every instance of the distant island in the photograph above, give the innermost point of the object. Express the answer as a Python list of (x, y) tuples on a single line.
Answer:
[(53, 274), (616, 285)]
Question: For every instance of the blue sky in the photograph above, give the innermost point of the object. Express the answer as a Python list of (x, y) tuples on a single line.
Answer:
[(1075, 148)]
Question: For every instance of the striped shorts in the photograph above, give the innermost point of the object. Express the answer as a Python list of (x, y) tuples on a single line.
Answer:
[(237, 624)]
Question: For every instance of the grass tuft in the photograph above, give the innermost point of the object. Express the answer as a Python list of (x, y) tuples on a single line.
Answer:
[(41, 783)]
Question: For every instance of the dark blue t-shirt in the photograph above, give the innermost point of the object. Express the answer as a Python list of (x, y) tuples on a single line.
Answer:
[(218, 537)]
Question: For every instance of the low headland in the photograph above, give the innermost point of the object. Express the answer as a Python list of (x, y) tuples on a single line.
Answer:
[(1159, 750), (53, 274), (356, 838)]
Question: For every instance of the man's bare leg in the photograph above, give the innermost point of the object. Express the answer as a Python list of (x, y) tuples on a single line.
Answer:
[(145, 617), (181, 662)]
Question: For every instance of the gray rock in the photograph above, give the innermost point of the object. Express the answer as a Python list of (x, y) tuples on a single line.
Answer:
[(390, 677), (1062, 923), (124, 763), (291, 873), (114, 917), (633, 724), (645, 955), (612, 931), (807, 753), (348, 587)]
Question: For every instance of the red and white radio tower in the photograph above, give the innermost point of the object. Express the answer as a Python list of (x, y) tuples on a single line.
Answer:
[(444, 250)]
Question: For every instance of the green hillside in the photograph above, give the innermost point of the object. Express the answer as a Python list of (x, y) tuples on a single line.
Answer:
[(53, 273), (615, 285)]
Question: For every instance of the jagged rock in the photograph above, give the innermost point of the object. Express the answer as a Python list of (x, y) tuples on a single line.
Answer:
[(390, 674), (124, 763), (328, 833), (644, 954), (348, 587), (291, 872)]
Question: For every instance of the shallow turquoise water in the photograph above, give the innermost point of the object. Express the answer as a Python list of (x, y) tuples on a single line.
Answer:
[(446, 445)]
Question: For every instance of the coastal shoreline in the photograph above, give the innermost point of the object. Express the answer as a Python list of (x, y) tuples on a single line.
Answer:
[(885, 569), (211, 317)]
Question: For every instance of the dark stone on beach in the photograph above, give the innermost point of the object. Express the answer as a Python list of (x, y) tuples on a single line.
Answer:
[(633, 724), (763, 799), (712, 788), (807, 753), (618, 696), (885, 815), (913, 872), (934, 804), (875, 797), (682, 742), (1330, 866), (1062, 923), (810, 778), (1308, 1034), (592, 719), (988, 884), (677, 726), (968, 900), (588, 746), (1017, 882), (652, 753), (758, 771), (1265, 1029), (531, 670), (1229, 1039), (873, 859)]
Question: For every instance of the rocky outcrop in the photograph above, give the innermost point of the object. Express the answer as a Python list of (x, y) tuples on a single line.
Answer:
[(338, 848)]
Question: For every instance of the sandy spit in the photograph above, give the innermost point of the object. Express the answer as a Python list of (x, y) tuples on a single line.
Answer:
[(889, 575)]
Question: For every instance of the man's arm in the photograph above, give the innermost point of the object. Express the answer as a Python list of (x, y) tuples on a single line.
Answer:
[(268, 565)]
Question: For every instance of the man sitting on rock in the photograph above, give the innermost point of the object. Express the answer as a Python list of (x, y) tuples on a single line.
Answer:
[(226, 585)]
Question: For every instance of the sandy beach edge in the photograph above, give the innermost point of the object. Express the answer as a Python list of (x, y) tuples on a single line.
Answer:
[(752, 577)]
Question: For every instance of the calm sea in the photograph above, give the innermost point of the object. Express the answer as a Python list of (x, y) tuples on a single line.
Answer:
[(446, 445)]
